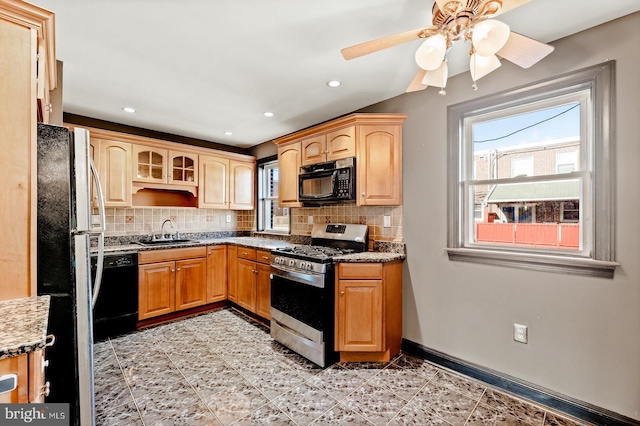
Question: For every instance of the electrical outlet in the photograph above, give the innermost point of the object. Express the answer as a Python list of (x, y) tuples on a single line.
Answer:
[(310, 220), (228, 218), (520, 333), (387, 221)]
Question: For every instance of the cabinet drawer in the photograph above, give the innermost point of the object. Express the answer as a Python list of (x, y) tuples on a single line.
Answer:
[(264, 256), (246, 253), (153, 256), (359, 271)]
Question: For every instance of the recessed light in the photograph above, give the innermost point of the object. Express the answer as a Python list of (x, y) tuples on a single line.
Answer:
[(268, 114), (130, 110), (228, 133), (334, 83)]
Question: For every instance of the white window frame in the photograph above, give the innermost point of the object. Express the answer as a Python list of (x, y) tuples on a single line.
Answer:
[(594, 88), (263, 199)]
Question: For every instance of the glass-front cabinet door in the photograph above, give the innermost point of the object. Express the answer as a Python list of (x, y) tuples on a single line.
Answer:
[(183, 168), (149, 164)]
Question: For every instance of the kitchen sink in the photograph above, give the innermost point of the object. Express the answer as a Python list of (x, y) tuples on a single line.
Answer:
[(165, 242)]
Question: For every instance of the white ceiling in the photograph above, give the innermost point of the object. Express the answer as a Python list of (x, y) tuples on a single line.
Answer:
[(199, 68)]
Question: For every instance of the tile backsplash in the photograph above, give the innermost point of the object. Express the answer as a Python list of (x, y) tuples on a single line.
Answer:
[(148, 220), (346, 213)]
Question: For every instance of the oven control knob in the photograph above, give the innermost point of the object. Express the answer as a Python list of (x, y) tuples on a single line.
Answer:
[(303, 265), (292, 262)]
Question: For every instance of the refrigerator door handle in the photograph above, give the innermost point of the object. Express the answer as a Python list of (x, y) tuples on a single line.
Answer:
[(99, 232), (101, 212)]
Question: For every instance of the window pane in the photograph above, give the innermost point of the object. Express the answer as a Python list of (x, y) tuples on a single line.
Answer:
[(533, 214), (541, 142)]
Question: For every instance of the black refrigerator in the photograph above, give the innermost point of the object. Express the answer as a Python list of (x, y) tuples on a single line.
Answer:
[(66, 180)]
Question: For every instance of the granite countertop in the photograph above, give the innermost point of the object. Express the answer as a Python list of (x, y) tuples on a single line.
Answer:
[(23, 325), (259, 243)]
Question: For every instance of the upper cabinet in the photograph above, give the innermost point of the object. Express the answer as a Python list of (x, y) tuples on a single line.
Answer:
[(375, 140), (226, 184), (115, 172), (289, 161), (137, 171), (28, 70), (162, 166), (330, 146)]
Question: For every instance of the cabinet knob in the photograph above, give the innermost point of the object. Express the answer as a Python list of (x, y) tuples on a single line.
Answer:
[(46, 389), (342, 293), (50, 340), (209, 253), (178, 269), (363, 194), (173, 270)]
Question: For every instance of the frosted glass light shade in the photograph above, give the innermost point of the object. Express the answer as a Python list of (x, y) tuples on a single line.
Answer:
[(489, 36), (483, 65), (437, 77), (431, 52)]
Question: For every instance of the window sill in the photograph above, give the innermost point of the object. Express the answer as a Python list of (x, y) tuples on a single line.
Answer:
[(536, 262)]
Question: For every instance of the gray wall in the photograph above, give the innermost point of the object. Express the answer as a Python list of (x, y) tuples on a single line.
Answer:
[(584, 333)]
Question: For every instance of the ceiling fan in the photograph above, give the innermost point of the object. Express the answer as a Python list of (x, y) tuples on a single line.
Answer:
[(455, 20)]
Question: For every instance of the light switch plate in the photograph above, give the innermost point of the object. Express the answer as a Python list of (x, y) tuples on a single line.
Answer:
[(387, 221), (310, 220)]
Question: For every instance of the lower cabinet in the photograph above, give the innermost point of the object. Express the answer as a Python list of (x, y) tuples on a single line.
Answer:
[(216, 273), (171, 280), (29, 371), (253, 282), (368, 311)]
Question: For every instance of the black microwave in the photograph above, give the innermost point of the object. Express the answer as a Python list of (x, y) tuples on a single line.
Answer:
[(327, 183)]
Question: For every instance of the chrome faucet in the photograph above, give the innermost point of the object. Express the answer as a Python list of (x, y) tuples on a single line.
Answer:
[(162, 236)]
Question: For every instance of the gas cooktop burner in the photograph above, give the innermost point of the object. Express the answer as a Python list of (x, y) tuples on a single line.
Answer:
[(315, 252)]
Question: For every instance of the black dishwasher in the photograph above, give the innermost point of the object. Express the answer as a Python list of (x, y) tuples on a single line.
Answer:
[(116, 309)]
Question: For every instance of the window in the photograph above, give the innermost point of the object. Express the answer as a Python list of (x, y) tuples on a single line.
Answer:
[(567, 162), (538, 159), (522, 166), (271, 217)]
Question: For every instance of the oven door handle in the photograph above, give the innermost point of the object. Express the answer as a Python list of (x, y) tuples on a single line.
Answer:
[(308, 278)]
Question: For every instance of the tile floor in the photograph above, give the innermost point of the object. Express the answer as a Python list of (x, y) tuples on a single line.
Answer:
[(223, 368)]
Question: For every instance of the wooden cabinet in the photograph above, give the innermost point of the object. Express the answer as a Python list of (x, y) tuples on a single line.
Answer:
[(232, 281), (216, 273), (171, 280), (379, 165), (162, 166), (253, 281), (375, 140), (115, 172), (289, 161), (191, 283), (368, 311), (156, 289), (331, 146), (263, 290), (29, 369), (226, 184), (27, 61)]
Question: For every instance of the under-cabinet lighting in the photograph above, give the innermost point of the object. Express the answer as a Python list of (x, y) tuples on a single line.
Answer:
[(334, 83), (130, 110)]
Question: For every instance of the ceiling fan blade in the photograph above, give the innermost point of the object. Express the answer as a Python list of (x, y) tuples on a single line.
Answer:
[(381, 43), (524, 51), (507, 5), (416, 83)]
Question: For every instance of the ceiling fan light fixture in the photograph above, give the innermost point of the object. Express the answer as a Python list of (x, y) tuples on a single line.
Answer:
[(490, 36), (431, 52), (482, 65), (437, 77)]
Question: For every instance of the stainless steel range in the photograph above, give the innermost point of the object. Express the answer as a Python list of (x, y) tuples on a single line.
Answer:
[(303, 290)]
